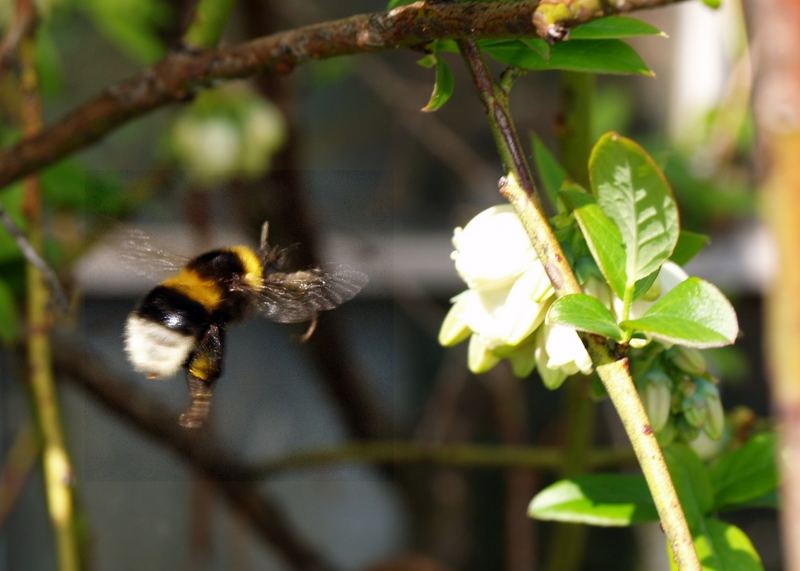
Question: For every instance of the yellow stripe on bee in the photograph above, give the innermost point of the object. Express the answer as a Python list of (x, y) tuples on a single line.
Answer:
[(200, 367), (192, 285), (253, 269)]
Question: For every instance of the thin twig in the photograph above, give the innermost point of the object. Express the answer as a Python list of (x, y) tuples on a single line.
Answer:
[(181, 74), (35, 259)]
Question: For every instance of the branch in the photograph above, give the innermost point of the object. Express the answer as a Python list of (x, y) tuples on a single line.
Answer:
[(519, 190), (459, 455), (179, 75), (202, 452)]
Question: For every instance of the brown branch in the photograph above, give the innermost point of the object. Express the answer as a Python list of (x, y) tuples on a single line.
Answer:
[(201, 451), (180, 74)]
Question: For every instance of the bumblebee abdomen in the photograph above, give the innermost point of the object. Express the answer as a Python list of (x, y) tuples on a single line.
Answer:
[(161, 331)]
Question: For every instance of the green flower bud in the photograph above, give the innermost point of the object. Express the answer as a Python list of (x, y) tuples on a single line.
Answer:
[(694, 410), (715, 421), (656, 393), (668, 433), (685, 431), (688, 359)]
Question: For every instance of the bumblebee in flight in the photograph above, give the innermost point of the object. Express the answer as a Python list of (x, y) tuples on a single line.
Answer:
[(181, 322)]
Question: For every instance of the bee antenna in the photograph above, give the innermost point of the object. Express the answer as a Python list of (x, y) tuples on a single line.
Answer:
[(264, 235)]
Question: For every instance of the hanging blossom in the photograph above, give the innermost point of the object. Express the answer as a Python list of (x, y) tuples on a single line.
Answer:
[(503, 311), (506, 303)]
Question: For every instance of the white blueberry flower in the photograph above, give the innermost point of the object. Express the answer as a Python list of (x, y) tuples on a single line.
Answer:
[(493, 249), (559, 353)]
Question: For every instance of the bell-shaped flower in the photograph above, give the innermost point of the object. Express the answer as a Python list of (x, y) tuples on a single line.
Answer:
[(559, 353), (493, 249)]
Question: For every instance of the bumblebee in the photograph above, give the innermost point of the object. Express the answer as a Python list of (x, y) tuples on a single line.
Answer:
[(181, 322)]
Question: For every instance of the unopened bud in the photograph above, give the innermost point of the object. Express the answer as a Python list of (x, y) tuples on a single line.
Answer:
[(688, 359), (694, 410), (667, 433), (685, 431), (656, 394)]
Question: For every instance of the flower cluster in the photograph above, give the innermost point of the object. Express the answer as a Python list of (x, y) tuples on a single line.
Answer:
[(227, 133), (680, 396), (503, 311)]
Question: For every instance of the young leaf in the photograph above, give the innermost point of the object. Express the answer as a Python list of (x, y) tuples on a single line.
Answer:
[(694, 313), (633, 192), (722, 546), (644, 284), (442, 88), (689, 245), (597, 56), (746, 474), (613, 27), (585, 313), (590, 56), (550, 170), (692, 483), (597, 499), (602, 236)]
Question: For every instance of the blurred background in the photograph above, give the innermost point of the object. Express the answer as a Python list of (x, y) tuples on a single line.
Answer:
[(340, 160)]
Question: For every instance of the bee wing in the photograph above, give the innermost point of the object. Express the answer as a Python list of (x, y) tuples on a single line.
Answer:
[(143, 257), (299, 296)]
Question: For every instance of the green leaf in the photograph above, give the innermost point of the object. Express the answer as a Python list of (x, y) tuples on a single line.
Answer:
[(597, 499), (597, 56), (746, 474), (689, 245), (644, 284), (442, 88), (613, 27), (550, 170), (9, 318), (691, 481), (590, 56), (602, 236), (722, 546), (585, 313), (695, 313), (633, 192)]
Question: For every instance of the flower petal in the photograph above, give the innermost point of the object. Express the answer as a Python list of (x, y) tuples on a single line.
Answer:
[(493, 249)]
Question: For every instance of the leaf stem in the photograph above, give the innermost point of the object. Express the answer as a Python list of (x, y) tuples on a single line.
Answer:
[(518, 188)]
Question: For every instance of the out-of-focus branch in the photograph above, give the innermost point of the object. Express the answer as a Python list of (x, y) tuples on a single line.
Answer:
[(451, 454), (33, 258), (200, 451), (16, 468), (180, 74), (24, 20), (56, 462), (778, 120)]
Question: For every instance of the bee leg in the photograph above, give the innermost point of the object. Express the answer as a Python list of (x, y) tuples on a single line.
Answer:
[(203, 368), (310, 331), (264, 245)]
